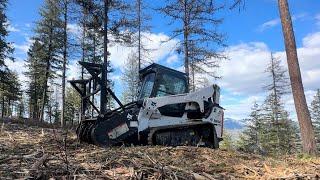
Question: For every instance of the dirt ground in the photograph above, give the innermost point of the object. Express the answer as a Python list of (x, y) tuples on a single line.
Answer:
[(42, 153)]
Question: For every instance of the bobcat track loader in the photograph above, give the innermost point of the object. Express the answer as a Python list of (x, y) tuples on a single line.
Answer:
[(166, 113)]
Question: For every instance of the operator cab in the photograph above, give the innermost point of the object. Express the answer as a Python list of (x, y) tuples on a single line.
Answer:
[(158, 81)]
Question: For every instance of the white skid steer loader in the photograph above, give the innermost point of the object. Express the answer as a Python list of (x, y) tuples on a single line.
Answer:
[(164, 114)]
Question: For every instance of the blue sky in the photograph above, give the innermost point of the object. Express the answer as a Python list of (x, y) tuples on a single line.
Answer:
[(252, 34)]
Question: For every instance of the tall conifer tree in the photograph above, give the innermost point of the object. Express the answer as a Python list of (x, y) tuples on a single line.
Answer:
[(49, 31), (199, 36), (5, 46), (315, 115)]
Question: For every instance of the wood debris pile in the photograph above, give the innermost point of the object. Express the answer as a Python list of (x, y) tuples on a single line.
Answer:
[(30, 152)]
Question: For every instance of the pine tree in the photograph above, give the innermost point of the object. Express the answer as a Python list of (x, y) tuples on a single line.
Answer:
[(114, 21), (65, 13), (254, 134), (282, 134), (6, 51), (281, 131), (21, 108), (198, 30), (49, 32), (36, 68), (50, 107), (73, 105), (5, 47), (315, 115), (141, 27), (130, 78), (227, 142), (10, 92)]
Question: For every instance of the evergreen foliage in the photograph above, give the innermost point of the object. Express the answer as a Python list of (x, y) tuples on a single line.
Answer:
[(72, 106), (36, 68), (10, 92), (130, 78), (227, 142), (269, 128), (49, 31), (254, 137), (315, 115), (199, 36), (6, 49)]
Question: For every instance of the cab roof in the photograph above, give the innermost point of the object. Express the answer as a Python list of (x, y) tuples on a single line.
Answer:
[(157, 67)]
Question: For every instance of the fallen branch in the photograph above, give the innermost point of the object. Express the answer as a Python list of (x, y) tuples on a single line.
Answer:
[(2, 128), (40, 162), (18, 157), (35, 167)]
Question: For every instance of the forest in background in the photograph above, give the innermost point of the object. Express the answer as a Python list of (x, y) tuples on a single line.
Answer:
[(269, 129)]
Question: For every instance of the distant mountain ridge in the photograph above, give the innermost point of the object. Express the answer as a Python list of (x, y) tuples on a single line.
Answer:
[(233, 124)]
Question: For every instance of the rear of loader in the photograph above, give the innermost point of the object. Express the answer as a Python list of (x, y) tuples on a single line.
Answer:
[(164, 114)]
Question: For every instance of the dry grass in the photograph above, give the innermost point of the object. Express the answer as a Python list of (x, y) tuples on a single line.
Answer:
[(30, 152)]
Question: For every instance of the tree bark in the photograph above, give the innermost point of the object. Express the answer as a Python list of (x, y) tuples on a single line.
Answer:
[(83, 40), (9, 108), (139, 34), (104, 73), (275, 103), (303, 114), (3, 108), (65, 44), (48, 65), (186, 48)]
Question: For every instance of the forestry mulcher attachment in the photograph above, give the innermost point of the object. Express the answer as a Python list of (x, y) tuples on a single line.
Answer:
[(164, 114)]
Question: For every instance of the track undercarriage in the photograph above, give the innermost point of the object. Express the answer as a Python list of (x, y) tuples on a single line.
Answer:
[(200, 136)]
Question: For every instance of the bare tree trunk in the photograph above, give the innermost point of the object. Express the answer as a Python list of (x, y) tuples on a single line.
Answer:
[(94, 61), (83, 40), (3, 108), (307, 133), (186, 48), (35, 107), (45, 86), (9, 108), (104, 74), (275, 103), (139, 34), (193, 84), (65, 44)]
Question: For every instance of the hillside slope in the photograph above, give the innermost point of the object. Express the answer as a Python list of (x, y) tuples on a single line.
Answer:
[(40, 153)]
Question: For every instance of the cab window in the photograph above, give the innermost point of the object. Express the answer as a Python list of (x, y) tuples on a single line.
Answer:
[(147, 86), (170, 85)]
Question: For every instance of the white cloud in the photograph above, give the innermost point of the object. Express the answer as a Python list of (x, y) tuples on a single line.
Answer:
[(19, 67), (24, 47), (75, 29), (172, 58), (301, 16), (241, 109), (275, 22), (243, 74), (73, 70), (312, 40), (269, 24), (13, 28), (159, 44)]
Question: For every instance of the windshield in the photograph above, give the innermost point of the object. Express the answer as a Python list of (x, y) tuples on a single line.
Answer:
[(170, 85), (147, 86)]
